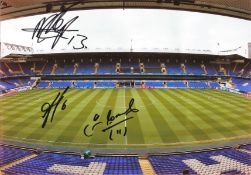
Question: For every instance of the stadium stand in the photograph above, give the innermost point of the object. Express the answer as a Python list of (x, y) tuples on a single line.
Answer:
[(205, 74), (14, 83), (83, 84), (224, 161), (219, 161), (112, 84), (214, 85), (176, 84), (54, 163), (60, 84), (178, 67), (198, 84), (16, 75), (154, 84), (177, 71), (242, 84), (10, 154), (247, 147), (106, 84), (6, 86), (43, 84)]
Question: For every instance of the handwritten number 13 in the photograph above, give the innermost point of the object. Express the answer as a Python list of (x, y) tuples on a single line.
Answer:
[(82, 42)]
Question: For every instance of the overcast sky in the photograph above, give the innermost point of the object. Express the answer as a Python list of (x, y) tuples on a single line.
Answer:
[(146, 28)]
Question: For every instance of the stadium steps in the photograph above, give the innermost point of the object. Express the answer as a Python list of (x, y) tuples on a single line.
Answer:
[(21, 69), (40, 70), (146, 166), (9, 69), (12, 71), (14, 163)]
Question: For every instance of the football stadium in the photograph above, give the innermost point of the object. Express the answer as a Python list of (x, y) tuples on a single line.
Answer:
[(123, 110)]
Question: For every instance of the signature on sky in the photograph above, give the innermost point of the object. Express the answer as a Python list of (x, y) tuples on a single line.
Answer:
[(54, 27)]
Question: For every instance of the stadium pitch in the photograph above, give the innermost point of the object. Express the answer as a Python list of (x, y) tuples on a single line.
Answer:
[(165, 117)]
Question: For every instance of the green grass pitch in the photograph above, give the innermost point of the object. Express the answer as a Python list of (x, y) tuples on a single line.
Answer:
[(166, 117)]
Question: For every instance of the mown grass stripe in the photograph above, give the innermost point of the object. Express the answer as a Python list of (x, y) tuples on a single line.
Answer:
[(146, 120), (229, 108), (170, 116), (205, 120), (219, 112), (72, 128), (241, 105), (22, 126), (183, 119), (54, 127), (96, 108), (117, 108), (22, 98), (12, 107), (30, 120), (108, 98), (70, 116), (164, 130), (229, 95), (236, 122), (135, 134), (228, 100), (218, 125), (20, 113), (103, 137), (19, 95)]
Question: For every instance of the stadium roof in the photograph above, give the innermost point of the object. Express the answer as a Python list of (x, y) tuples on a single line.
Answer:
[(108, 55), (18, 8)]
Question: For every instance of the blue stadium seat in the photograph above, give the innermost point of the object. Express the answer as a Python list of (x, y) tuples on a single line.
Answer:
[(207, 162), (10, 154), (52, 163)]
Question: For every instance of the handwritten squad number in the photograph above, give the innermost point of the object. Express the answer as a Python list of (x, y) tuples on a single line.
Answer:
[(111, 121)]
